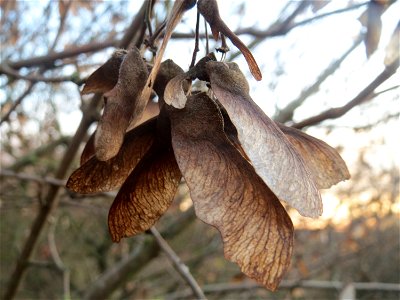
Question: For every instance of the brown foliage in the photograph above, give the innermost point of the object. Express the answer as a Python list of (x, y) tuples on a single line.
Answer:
[(235, 161), (228, 194), (209, 10), (123, 105), (96, 176)]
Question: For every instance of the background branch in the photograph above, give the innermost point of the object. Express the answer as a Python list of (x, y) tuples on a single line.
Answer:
[(182, 269), (17, 102), (5, 69), (288, 284), (130, 265), (51, 199), (23, 176), (286, 114), (363, 96)]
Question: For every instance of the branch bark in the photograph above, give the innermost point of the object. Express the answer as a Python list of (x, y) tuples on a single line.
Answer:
[(363, 96), (288, 284), (17, 102), (22, 176), (5, 69), (182, 269), (134, 261), (51, 200), (286, 114), (49, 59)]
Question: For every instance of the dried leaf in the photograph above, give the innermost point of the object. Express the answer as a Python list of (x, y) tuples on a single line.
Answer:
[(374, 26), (256, 230), (231, 131), (180, 6), (209, 10), (392, 49), (89, 151), (318, 4), (274, 158), (146, 194), (96, 176), (325, 164), (123, 106), (174, 92), (168, 70), (106, 77), (178, 87)]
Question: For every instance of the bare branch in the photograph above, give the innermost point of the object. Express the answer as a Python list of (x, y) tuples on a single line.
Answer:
[(29, 158), (62, 24), (23, 176), (182, 269), (278, 29), (289, 284), (51, 200), (134, 261), (286, 114), (363, 96), (49, 59), (133, 28), (5, 69), (57, 259), (17, 102), (196, 45)]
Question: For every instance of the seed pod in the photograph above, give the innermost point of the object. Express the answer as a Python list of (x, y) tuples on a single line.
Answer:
[(123, 106)]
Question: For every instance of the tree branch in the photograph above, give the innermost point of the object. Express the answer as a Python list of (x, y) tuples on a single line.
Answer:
[(23, 176), (363, 96), (286, 114), (134, 261), (182, 269), (32, 156), (278, 29), (289, 284), (5, 69), (16, 103), (51, 200), (57, 259), (49, 59)]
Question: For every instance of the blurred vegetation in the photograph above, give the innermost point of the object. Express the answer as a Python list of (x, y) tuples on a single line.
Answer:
[(40, 103)]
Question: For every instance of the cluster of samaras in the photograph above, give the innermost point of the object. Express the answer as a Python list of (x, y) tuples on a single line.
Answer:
[(236, 161)]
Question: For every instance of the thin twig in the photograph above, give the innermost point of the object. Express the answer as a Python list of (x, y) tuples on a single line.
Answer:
[(57, 259), (148, 17), (196, 43), (289, 284), (17, 102), (156, 34), (33, 155), (23, 176), (138, 258), (131, 32), (5, 69), (49, 59), (277, 30), (206, 36), (60, 30), (182, 269), (363, 96), (94, 47), (51, 199), (286, 113)]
